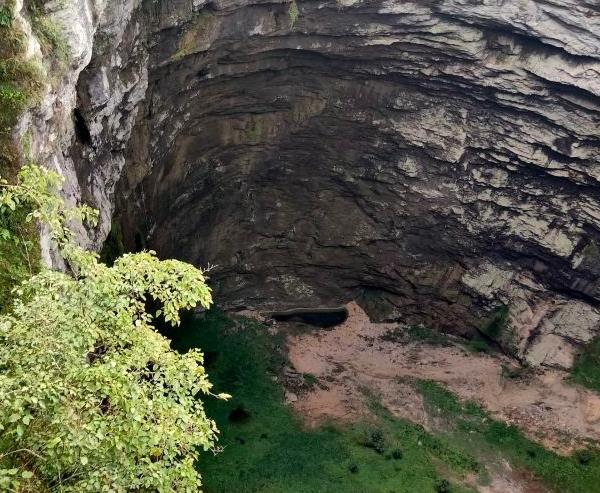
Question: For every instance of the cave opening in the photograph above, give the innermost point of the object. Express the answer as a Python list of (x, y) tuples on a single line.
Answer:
[(318, 317), (82, 132)]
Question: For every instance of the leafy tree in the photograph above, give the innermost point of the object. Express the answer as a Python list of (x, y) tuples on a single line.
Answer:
[(93, 397)]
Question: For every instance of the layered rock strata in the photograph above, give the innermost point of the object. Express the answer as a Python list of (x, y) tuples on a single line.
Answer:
[(437, 160)]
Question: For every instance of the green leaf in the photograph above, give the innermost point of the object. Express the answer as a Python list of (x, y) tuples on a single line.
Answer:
[(54, 442), (83, 353)]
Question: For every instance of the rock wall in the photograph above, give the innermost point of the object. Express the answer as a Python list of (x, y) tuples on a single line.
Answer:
[(105, 54), (109, 93), (436, 160)]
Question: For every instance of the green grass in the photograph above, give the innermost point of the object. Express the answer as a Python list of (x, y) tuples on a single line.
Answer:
[(267, 450), (419, 333), (497, 323), (586, 370), (475, 430)]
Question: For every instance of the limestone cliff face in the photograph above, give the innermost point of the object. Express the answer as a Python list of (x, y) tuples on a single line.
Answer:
[(434, 159), (103, 42)]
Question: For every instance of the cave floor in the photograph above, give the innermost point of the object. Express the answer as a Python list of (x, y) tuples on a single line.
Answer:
[(368, 408), (360, 355)]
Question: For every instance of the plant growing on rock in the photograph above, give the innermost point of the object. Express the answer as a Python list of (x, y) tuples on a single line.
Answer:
[(94, 399), (22, 83)]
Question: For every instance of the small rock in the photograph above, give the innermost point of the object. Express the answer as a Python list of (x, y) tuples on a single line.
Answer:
[(591, 410), (291, 397)]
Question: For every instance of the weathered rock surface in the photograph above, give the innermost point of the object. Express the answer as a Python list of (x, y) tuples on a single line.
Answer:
[(435, 159), (103, 43)]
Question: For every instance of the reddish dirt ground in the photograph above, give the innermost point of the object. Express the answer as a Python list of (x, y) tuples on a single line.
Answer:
[(351, 360)]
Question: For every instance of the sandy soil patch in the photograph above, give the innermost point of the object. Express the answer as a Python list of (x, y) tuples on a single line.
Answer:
[(352, 358)]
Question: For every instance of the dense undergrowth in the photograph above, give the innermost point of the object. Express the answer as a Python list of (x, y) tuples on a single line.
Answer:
[(472, 429), (94, 398), (266, 449), (19, 252)]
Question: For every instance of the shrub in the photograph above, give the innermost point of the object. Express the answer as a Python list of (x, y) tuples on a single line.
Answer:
[(310, 380), (376, 441), (478, 345), (584, 457), (397, 454), (442, 486), (19, 252), (94, 399), (48, 33), (497, 323), (6, 18), (293, 13), (586, 370)]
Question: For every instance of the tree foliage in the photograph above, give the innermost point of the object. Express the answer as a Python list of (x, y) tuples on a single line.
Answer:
[(93, 397)]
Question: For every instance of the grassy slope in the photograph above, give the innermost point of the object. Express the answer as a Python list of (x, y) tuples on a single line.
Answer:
[(474, 429), (587, 366), (272, 453)]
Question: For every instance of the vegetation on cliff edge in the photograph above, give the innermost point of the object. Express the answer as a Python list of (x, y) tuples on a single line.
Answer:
[(94, 399)]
